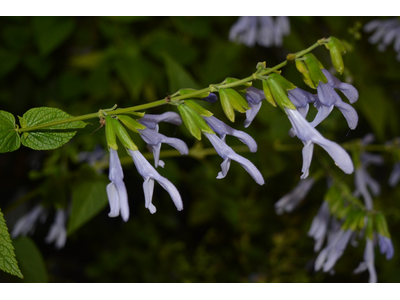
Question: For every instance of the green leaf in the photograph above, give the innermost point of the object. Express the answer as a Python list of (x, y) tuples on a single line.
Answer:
[(30, 260), (9, 137), (50, 32), (8, 263), (178, 77), (132, 69), (88, 199), (50, 137)]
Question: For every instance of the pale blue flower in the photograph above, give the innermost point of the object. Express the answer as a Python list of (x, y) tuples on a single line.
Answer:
[(309, 135), (27, 223), (368, 262), (386, 31), (337, 243), (319, 226), (211, 98), (154, 141), (149, 174), (58, 230), (395, 175), (254, 97), (328, 98), (223, 129), (116, 190), (92, 157), (264, 30), (301, 99), (362, 179), (151, 121), (228, 154), (386, 246), (290, 201)]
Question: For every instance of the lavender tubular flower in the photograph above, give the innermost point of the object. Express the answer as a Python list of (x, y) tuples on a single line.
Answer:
[(254, 97), (290, 201), (228, 154), (150, 174), (328, 257), (309, 135), (264, 30), (368, 262), (27, 223), (58, 231), (363, 180), (116, 190), (386, 31), (211, 98), (223, 129), (244, 31), (155, 139), (328, 98), (92, 157), (319, 226), (301, 100), (395, 175), (386, 246), (151, 121)]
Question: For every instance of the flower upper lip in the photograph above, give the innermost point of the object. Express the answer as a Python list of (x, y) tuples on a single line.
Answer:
[(228, 154), (155, 139), (149, 174), (309, 135)]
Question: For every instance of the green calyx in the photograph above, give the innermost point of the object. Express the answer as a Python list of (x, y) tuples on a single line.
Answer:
[(314, 69), (268, 94), (279, 94), (369, 229), (123, 135), (381, 225), (111, 136), (286, 84), (231, 100), (198, 108), (336, 49), (130, 123), (302, 68), (193, 121)]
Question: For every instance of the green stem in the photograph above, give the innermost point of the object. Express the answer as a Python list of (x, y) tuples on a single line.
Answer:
[(94, 115), (175, 100)]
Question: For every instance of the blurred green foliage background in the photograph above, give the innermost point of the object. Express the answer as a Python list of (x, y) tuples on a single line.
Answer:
[(228, 230)]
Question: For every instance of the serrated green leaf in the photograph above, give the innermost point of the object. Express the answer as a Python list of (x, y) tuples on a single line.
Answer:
[(50, 32), (50, 137), (88, 199), (9, 137), (8, 263), (30, 260)]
